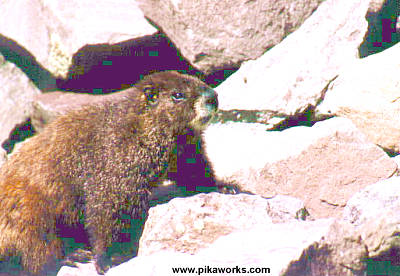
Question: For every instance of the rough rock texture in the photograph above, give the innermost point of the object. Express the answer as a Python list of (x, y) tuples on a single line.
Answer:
[(372, 201), (52, 30), (3, 156), (47, 106), (366, 241), (323, 165), (189, 224), (212, 34), (284, 208), (16, 95), (367, 91), (339, 253), (292, 76), (272, 247)]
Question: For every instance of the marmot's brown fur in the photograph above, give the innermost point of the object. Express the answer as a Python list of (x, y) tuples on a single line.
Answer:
[(99, 162)]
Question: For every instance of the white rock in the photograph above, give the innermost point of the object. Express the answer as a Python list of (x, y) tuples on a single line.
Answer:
[(188, 224), (16, 96), (214, 34), (291, 76), (367, 91), (53, 30), (323, 165), (273, 247), (374, 200)]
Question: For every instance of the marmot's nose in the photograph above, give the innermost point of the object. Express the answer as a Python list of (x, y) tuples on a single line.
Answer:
[(211, 97)]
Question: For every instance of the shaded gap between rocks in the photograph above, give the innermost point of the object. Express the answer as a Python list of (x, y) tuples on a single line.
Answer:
[(387, 263), (306, 118), (18, 134), (107, 68), (24, 60), (382, 31), (389, 152)]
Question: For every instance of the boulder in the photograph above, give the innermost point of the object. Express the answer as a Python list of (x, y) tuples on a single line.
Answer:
[(16, 96), (292, 76), (189, 224), (272, 248), (323, 165), (365, 241), (52, 31), (215, 34), (367, 92)]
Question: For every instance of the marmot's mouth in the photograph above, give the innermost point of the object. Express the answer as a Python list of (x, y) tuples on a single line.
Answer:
[(204, 120)]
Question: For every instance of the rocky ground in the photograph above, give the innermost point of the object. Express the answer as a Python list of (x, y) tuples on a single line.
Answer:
[(308, 123)]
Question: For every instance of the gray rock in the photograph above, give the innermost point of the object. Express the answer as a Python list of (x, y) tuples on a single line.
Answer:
[(47, 106), (367, 91), (373, 200), (284, 208), (53, 31), (273, 247), (16, 95), (292, 76), (323, 165), (368, 231), (340, 252), (188, 224), (213, 34)]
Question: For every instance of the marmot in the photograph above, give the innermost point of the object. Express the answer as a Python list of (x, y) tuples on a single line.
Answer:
[(99, 163)]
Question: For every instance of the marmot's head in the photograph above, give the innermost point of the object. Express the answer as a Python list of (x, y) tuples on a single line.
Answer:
[(178, 101)]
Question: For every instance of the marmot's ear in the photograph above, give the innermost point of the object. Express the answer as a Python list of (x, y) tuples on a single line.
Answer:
[(151, 94)]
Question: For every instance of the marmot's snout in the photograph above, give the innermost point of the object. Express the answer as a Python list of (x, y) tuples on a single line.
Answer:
[(211, 99), (206, 107)]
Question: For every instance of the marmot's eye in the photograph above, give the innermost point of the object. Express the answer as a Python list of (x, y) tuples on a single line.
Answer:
[(178, 96), (151, 94), (152, 98)]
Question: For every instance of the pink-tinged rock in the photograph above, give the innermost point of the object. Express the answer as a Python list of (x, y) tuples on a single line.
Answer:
[(272, 248), (188, 224), (365, 240), (323, 165), (211, 34), (367, 92), (16, 96), (47, 106), (53, 30), (292, 76)]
